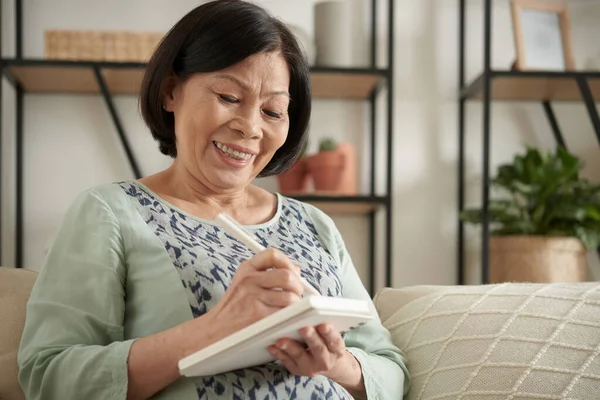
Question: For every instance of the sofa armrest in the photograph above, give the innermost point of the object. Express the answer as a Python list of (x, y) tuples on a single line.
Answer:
[(389, 300), (15, 288)]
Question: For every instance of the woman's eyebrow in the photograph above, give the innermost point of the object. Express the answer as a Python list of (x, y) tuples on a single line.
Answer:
[(246, 88)]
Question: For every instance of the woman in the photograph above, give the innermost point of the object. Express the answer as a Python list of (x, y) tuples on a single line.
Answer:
[(140, 276)]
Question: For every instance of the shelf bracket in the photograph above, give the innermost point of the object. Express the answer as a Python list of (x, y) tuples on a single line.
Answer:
[(554, 124), (376, 89), (117, 121), (590, 104), (9, 76)]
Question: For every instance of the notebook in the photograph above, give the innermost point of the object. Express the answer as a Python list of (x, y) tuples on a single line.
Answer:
[(248, 347)]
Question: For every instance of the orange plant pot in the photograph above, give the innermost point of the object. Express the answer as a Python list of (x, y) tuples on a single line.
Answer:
[(349, 180), (326, 169), (295, 179)]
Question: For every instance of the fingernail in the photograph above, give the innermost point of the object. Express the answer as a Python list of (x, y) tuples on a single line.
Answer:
[(283, 346)]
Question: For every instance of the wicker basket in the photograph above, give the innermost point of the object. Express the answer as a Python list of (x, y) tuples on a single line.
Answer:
[(119, 46), (537, 259)]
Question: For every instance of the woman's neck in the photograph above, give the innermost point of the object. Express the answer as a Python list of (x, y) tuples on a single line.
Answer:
[(179, 187)]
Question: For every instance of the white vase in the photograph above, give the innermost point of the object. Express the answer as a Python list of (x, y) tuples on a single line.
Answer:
[(333, 33)]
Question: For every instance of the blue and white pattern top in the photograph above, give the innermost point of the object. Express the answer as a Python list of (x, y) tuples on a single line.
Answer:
[(206, 258)]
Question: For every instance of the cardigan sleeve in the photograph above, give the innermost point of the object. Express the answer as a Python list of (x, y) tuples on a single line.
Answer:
[(383, 364), (72, 345)]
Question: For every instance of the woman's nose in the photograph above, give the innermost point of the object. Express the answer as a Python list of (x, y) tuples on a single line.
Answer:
[(248, 123)]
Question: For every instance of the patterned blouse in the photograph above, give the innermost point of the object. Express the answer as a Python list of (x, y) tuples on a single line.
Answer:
[(206, 258)]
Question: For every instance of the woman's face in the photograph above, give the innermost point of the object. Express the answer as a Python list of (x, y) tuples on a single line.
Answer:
[(230, 123)]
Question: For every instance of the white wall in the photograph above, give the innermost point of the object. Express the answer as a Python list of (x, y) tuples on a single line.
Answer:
[(70, 143)]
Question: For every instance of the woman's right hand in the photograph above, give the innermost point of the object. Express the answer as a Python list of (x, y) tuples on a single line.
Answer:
[(261, 286), (251, 296)]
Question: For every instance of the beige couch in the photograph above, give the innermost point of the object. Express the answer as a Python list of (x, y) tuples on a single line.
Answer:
[(491, 342), (15, 286)]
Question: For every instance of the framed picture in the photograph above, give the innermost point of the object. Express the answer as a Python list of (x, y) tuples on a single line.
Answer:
[(542, 35)]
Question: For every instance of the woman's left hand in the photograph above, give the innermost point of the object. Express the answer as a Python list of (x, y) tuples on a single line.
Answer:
[(324, 349)]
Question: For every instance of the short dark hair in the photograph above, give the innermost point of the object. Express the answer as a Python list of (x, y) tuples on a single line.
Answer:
[(215, 36)]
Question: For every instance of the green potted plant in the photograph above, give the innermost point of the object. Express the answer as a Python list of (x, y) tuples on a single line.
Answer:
[(327, 166), (544, 221), (296, 179)]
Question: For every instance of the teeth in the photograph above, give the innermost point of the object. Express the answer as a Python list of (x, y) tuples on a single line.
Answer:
[(233, 153)]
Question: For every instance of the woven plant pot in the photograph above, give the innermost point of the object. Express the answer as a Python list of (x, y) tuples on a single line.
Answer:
[(537, 259)]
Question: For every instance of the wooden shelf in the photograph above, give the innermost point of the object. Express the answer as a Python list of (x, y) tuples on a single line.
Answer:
[(54, 76), (534, 86), (343, 84), (55, 79), (123, 80), (343, 205)]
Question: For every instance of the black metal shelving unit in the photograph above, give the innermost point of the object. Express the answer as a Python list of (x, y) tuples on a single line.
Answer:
[(509, 85), (115, 78)]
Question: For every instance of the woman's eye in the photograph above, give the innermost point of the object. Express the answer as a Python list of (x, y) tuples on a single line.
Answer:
[(228, 99), (272, 114)]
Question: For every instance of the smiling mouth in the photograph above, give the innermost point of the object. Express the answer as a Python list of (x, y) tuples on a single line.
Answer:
[(236, 155)]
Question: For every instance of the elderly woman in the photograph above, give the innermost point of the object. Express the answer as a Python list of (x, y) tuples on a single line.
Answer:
[(139, 275)]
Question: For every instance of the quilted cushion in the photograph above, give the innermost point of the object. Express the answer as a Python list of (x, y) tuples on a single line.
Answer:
[(508, 341)]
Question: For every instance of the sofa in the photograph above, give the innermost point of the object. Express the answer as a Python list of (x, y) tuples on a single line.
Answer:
[(508, 341), (15, 286)]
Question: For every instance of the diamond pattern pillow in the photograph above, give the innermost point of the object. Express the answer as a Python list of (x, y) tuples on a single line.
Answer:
[(509, 341)]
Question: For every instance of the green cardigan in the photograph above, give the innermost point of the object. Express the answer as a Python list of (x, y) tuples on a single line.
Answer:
[(108, 280)]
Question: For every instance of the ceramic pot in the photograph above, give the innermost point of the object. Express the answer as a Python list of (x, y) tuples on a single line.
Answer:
[(326, 169), (333, 33), (294, 180), (349, 180)]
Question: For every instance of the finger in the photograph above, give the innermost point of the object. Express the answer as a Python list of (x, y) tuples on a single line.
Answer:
[(332, 338), (271, 258), (317, 347), (285, 358), (278, 298), (303, 359), (281, 278)]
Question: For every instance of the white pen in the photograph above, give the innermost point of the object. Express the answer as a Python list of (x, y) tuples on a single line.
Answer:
[(236, 231)]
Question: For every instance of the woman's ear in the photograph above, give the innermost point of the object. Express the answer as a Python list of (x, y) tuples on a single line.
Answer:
[(170, 88)]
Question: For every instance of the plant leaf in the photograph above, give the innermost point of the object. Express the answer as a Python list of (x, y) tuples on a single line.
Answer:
[(516, 228), (472, 216), (593, 212), (546, 196)]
